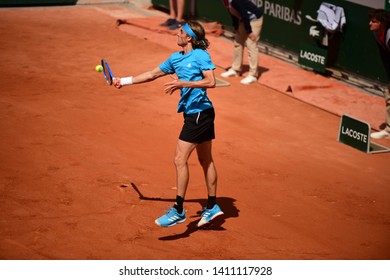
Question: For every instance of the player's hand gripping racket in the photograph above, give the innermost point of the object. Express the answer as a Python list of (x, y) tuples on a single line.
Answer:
[(107, 72)]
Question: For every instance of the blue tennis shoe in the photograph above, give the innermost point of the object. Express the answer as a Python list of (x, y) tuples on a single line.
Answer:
[(209, 214), (171, 218)]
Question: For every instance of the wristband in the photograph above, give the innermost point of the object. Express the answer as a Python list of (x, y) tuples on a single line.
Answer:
[(127, 81)]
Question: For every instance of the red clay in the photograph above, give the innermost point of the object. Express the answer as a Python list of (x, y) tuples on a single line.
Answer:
[(72, 147)]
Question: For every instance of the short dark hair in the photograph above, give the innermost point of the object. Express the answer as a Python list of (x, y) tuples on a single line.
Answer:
[(380, 15)]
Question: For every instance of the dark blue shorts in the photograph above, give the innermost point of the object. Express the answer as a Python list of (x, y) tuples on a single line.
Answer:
[(198, 127)]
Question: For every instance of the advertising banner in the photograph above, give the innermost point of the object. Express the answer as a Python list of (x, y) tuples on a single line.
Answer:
[(313, 57)]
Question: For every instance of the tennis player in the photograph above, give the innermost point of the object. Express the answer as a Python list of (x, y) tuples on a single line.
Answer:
[(195, 73)]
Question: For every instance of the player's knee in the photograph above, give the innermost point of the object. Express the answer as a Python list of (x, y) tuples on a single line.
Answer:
[(179, 162), (204, 161)]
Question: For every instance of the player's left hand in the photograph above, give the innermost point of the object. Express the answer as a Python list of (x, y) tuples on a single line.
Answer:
[(172, 86)]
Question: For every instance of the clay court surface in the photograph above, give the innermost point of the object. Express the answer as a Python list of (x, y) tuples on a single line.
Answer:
[(72, 148)]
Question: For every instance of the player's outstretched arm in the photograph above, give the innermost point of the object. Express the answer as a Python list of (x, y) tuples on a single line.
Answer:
[(145, 77)]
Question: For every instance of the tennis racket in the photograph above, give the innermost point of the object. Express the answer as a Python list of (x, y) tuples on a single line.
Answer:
[(107, 72)]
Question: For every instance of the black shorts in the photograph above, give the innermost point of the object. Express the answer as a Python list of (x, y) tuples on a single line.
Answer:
[(198, 127)]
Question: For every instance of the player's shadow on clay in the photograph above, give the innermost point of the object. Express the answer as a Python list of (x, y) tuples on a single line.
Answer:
[(227, 205)]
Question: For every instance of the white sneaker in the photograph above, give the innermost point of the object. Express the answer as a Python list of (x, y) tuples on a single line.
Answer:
[(380, 134), (248, 80), (229, 73)]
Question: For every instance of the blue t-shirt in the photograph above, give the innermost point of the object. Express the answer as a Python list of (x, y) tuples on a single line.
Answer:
[(189, 67)]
